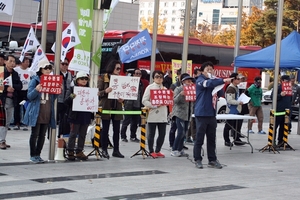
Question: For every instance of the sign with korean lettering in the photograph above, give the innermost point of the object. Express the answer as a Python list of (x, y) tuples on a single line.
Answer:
[(161, 97), (51, 84), (86, 99), (287, 87), (124, 87), (189, 92)]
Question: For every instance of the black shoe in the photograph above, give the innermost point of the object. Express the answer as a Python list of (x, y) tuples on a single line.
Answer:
[(124, 140), (134, 140), (242, 136), (198, 164), (184, 147), (117, 154), (105, 154), (239, 142), (280, 145), (215, 164), (228, 144)]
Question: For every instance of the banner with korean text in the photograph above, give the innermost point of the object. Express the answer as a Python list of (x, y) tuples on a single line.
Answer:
[(86, 99), (160, 97), (51, 84), (82, 52), (189, 92), (177, 64), (124, 87)]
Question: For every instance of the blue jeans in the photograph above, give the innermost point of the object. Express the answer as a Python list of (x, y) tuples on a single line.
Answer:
[(182, 127)]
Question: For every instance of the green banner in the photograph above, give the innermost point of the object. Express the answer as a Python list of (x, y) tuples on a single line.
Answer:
[(82, 52)]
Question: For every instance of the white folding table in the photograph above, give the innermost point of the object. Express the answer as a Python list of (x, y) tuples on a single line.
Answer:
[(237, 117)]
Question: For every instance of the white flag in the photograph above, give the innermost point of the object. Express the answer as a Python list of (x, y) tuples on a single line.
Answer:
[(38, 56), (6, 6), (8, 81), (30, 43), (69, 39)]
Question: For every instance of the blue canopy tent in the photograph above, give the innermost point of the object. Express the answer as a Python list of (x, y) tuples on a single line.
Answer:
[(265, 58)]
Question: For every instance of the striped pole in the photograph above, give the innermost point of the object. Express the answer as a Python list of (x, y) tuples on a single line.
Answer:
[(143, 150), (286, 131), (270, 146)]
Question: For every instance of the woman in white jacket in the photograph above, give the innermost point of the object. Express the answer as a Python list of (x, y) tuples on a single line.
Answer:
[(157, 116)]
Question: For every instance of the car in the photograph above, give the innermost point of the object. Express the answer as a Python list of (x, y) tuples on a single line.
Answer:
[(266, 98), (221, 107)]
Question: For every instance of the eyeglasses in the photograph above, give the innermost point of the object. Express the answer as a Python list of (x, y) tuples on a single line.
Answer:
[(48, 67), (84, 78), (158, 76), (238, 79), (138, 73), (118, 68), (64, 63)]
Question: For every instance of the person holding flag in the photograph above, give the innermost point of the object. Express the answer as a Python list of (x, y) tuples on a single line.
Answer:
[(8, 96)]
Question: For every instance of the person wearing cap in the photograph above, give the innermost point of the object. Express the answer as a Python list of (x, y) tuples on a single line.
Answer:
[(39, 112), (182, 110), (79, 120), (10, 87), (255, 108), (233, 107), (64, 126), (205, 115), (114, 68), (284, 101)]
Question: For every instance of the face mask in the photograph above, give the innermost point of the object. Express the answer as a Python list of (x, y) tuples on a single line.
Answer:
[(257, 84), (209, 75)]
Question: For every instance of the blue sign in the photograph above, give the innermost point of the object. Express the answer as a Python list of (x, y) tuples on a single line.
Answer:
[(140, 46)]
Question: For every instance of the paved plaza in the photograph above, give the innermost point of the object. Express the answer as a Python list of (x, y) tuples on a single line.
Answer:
[(245, 175)]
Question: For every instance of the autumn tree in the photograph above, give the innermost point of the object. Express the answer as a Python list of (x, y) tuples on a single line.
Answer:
[(148, 23), (265, 26)]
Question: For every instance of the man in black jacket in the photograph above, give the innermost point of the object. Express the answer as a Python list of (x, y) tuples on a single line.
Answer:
[(8, 96), (284, 101)]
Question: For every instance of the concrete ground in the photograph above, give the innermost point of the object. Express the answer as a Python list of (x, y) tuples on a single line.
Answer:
[(245, 175)]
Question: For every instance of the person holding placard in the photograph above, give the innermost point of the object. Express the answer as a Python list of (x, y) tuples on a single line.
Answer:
[(182, 110), (79, 120), (40, 112), (157, 117), (114, 68)]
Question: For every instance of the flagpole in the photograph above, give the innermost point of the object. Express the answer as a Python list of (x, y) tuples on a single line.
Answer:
[(11, 21), (154, 37), (59, 23), (238, 33), (44, 21), (37, 16), (186, 35)]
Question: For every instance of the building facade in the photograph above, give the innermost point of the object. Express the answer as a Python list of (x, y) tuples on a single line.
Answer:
[(124, 16)]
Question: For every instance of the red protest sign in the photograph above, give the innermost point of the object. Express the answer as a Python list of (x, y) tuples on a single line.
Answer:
[(287, 87), (51, 84), (190, 92), (161, 97)]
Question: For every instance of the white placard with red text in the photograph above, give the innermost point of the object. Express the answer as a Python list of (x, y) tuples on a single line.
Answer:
[(161, 97), (51, 84), (124, 87), (287, 87), (189, 92), (86, 99)]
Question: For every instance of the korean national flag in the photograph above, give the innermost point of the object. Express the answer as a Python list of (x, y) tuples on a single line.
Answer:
[(38, 56), (30, 43), (6, 6), (69, 39)]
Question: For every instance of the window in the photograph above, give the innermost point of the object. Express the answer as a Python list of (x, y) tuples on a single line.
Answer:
[(215, 17), (166, 4), (174, 4), (228, 20), (149, 12), (165, 12), (172, 28), (141, 12), (183, 4), (173, 19), (173, 12)]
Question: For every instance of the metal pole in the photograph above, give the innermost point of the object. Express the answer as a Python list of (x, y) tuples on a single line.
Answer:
[(238, 32), (44, 24), (277, 60), (39, 15), (154, 37), (59, 23), (97, 35), (186, 35)]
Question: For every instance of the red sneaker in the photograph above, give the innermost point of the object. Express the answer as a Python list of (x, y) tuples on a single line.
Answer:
[(153, 155), (160, 155)]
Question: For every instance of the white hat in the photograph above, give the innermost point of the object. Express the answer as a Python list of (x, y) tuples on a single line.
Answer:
[(81, 74), (43, 63)]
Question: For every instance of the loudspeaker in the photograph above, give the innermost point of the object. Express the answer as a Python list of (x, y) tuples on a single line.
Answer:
[(105, 4)]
